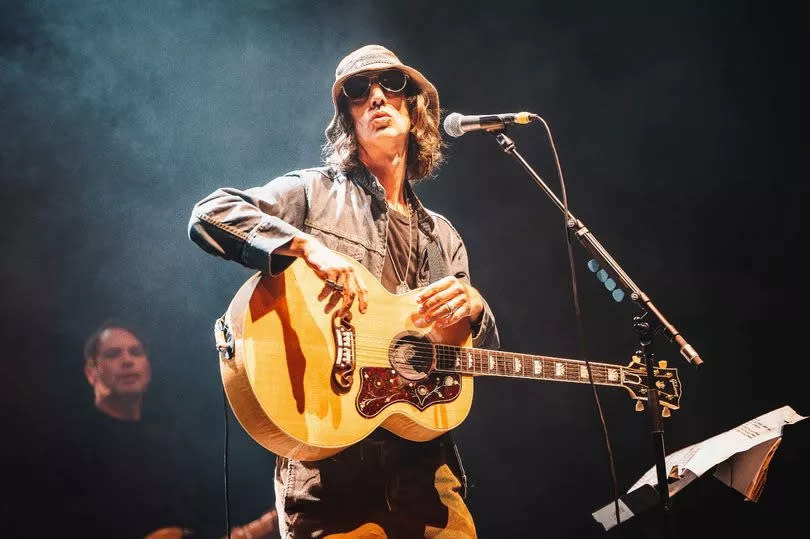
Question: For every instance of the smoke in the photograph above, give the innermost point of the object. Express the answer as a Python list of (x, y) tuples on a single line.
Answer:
[(675, 125), (118, 117)]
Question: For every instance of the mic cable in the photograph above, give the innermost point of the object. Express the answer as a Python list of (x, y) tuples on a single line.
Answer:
[(580, 323)]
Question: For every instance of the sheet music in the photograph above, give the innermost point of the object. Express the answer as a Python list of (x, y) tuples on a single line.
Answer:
[(694, 460), (700, 457)]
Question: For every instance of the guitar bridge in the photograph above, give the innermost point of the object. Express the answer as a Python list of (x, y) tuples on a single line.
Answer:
[(343, 370)]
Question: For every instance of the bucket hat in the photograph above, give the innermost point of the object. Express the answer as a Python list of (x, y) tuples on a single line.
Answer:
[(376, 58)]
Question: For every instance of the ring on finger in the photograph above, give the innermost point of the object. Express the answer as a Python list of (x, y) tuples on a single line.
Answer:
[(335, 285), (450, 308)]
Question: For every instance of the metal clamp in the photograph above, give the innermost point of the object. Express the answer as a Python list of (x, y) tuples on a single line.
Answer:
[(224, 339)]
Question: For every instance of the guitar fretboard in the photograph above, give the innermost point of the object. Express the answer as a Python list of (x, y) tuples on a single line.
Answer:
[(496, 363)]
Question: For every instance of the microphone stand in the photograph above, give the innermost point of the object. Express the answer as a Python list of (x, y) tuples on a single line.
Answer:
[(645, 329)]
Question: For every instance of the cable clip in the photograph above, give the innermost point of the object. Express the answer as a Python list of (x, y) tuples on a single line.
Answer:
[(224, 339)]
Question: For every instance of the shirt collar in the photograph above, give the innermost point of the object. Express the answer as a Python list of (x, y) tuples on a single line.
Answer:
[(370, 183)]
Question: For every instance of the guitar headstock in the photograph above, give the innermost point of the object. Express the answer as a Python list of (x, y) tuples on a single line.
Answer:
[(634, 380)]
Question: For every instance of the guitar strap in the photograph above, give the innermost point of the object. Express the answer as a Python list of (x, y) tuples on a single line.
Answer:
[(438, 270), (436, 264)]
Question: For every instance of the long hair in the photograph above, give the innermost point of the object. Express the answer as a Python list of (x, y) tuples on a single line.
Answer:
[(424, 141)]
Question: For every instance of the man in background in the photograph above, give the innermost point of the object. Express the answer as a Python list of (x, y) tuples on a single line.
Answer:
[(142, 489), (117, 368), (114, 472)]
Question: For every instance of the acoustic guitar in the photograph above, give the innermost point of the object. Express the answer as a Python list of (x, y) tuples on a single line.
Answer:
[(306, 382)]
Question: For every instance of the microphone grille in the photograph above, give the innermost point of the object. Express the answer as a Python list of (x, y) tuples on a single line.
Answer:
[(452, 125)]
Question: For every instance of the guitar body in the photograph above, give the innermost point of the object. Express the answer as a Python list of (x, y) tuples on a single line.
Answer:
[(306, 383)]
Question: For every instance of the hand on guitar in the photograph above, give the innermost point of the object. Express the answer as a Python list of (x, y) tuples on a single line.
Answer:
[(447, 301), (338, 274)]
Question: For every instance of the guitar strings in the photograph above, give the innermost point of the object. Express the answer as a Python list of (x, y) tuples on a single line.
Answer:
[(427, 355), (449, 356), (427, 352), (599, 370)]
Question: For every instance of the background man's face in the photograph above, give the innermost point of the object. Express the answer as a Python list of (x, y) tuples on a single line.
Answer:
[(121, 366), (381, 118)]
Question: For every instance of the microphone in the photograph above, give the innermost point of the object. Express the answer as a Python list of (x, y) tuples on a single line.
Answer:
[(456, 124)]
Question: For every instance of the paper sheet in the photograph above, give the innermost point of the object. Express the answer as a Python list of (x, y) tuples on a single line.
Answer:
[(700, 457), (694, 460)]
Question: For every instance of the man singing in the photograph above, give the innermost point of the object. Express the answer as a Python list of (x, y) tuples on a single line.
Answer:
[(384, 137)]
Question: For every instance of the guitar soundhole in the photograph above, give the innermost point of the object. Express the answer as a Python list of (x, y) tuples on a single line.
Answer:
[(412, 356)]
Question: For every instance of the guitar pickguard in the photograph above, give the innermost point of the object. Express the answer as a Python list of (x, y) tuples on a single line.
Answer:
[(382, 387)]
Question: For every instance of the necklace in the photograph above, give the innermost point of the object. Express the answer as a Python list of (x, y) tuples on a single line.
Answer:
[(402, 287)]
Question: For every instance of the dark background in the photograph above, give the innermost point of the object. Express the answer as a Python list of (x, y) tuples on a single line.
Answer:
[(679, 129)]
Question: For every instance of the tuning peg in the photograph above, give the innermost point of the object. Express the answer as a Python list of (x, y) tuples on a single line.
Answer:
[(639, 406), (665, 412), (662, 364), (635, 358)]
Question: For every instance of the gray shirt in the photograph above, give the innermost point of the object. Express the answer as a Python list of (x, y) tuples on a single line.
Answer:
[(345, 211)]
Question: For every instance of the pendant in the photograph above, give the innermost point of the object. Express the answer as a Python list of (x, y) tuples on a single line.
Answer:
[(402, 288)]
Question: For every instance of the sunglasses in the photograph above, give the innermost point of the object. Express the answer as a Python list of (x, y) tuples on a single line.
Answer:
[(391, 80)]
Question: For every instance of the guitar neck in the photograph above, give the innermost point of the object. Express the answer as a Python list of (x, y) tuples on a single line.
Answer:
[(476, 361)]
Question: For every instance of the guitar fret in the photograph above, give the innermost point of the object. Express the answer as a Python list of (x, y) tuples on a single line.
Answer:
[(481, 361), (443, 357)]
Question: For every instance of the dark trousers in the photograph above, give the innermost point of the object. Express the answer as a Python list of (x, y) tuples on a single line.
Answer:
[(384, 486)]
